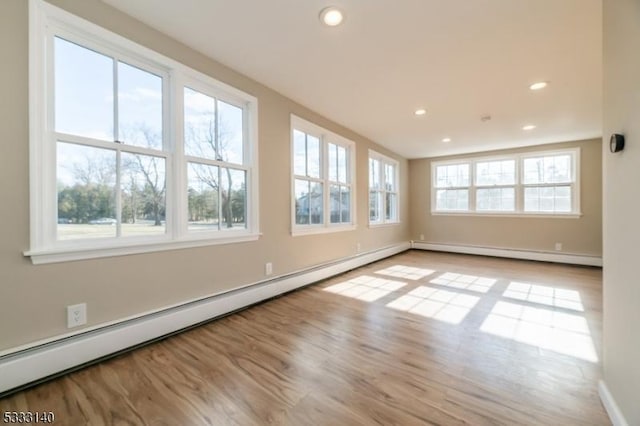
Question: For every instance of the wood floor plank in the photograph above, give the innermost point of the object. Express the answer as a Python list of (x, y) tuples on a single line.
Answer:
[(419, 338)]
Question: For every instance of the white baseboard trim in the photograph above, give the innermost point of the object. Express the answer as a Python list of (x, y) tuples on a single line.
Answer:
[(26, 366), (615, 415), (574, 259)]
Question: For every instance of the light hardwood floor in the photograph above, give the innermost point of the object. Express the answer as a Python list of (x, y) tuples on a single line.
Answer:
[(419, 338)]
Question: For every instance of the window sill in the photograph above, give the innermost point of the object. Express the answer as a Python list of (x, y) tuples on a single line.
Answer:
[(85, 252), (383, 224), (511, 214), (320, 229)]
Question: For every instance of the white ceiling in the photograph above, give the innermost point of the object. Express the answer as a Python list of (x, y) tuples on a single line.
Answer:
[(459, 59)]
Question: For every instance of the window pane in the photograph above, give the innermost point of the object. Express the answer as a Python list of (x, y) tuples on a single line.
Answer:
[(86, 178), (333, 162), (299, 153), (374, 174), (340, 204), (374, 206), (501, 172), (391, 207), (532, 199), (452, 199), (390, 177), (548, 199), (334, 203), (316, 203), (143, 194), (562, 198), (345, 204), (199, 125), (452, 175), (495, 199), (342, 164), (560, 171), (139, 107), (83, 91), (233, 198), (313, 156), (203, 197), (230, 133), (302, 201), (551, 169)]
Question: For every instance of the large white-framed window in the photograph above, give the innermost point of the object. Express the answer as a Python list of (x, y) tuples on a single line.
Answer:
[(323, 179), (384, 207), (495, 185), (550, 183), (452, 186), (131, 151), (538, 183)]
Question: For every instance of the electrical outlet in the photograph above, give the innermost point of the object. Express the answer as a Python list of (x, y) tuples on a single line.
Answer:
[(76, 315), (358, 248), (421, 237), (268, 268), (558, 246)]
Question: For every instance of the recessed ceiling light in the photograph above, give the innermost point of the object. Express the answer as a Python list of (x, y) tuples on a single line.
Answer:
[(539, 85), (445, 140), (331, 16), (528, 127), (420, 111)]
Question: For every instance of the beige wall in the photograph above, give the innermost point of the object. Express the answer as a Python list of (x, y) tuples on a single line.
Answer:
[(622, 206), (578, 236), (33, 298)]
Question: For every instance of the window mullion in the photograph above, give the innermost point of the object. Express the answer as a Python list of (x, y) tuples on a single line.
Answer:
[(216, 121), (383, 191), (48, 214), (306, 154), (309, 202), (202, 160), (118, 194), (380, 191), (324, 167), (116, 138), (472, 187), (97, 143), (116, 119), (177, 183), (219, 198)]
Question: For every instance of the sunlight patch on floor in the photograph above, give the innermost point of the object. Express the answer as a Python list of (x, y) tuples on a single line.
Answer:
[(464, 282), (406, 272), (365, 287), (545, 295), (438, 304), (545, 328)]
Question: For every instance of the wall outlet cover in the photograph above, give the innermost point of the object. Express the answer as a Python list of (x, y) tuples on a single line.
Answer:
[(76, 315)]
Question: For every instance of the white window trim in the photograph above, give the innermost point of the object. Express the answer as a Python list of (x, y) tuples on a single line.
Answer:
[(383, 159), (326, 137), (519, 185), (45, 20)]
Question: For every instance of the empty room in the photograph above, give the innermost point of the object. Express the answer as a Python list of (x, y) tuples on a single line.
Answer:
[(320, 213)]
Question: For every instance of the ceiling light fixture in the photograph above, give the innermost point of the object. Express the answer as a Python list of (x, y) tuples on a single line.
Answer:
[(445, 140), (331, 16), (420, 111), (539, 85), (528, 127)]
